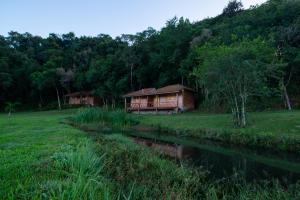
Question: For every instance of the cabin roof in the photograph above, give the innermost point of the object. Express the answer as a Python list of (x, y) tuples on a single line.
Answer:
[(142, 92), (78, 94), (164, 90), (172, 89)]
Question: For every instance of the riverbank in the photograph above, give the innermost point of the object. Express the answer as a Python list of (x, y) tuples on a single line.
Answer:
[(270, 130), (41, 157), (144, 165)]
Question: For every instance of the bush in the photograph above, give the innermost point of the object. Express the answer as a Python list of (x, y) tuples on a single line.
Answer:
[(105, 117)]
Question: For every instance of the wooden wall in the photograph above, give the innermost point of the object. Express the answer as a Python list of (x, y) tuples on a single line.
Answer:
[(188, 100), (184, 102), (135, 101), (165, 100), (88, 100)]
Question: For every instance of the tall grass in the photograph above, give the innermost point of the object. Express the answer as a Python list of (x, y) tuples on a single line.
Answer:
[(104, 117), (79, 169), (155, 177)]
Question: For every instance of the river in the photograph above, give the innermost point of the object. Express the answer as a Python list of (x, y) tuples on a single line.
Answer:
[(224, 161)]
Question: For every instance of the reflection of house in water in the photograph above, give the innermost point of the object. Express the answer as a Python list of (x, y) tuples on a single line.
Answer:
[(172, 150), (82, 98), (226, 161), (172, 98)]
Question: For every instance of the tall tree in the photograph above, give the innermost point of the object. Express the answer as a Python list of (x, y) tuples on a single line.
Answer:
[(232, 8), (238, 72)]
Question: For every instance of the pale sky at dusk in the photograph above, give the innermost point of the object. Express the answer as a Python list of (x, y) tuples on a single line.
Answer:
[(92, 17)]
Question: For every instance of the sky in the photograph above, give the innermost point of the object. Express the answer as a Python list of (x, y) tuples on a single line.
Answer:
[(92, 17)]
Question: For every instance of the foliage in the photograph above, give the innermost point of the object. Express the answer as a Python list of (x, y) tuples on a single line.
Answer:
[(232, 8), (36, 70), (105, 117), (236, 72)]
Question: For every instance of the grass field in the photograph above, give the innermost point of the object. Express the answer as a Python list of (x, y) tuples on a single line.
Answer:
[(277, 123), (42, 158), (29, 143), (276, 126)]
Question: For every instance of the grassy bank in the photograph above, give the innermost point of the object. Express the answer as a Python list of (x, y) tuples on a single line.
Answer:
[(277, 130), (146, 174), (42, 158), (153, 176)]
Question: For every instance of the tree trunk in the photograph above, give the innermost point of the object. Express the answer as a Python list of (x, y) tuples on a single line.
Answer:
[(243, 114), (113, 103), (58, 99), (41, 100), (64, 98), (105, 103), (237, 111), (286, 97)]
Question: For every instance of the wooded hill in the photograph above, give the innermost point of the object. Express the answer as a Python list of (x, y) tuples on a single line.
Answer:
[(264, 40)]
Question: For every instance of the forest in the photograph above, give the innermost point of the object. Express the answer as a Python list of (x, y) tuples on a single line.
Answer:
[(241, 142), (240, 58)]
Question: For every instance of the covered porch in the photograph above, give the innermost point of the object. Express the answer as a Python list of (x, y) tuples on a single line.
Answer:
[(152, 103)]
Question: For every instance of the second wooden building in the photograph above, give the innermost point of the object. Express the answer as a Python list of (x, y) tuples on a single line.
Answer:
[(172, 98)]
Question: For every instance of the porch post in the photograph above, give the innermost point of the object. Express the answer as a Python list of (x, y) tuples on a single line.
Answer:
[(139, 104), (176, 102), (125, 105), (183, 103), (147, 101), (156, 102)]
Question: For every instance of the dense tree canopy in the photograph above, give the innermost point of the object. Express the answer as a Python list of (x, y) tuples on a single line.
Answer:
[(38, 71), (232, 74)]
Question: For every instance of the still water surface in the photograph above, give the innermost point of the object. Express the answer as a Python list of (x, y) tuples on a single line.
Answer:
[(224, 161)]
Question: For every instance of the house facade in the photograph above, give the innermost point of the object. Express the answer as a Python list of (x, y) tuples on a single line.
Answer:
[(82, 98), (172, 98)]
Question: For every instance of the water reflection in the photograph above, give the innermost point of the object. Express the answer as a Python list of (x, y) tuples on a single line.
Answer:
[(222, 162)]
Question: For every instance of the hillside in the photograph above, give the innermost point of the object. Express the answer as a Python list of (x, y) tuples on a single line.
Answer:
[(34, 69)]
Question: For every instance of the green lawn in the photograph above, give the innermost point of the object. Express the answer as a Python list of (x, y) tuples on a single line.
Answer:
[(279, 123), (276, 125), (42, 158), (27, 142)]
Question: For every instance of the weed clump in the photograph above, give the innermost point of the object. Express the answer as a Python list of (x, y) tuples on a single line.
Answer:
[(79, 171), (104, 117)]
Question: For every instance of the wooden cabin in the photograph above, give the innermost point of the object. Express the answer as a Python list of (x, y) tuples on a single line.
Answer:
[(172, 98), (82, 98)]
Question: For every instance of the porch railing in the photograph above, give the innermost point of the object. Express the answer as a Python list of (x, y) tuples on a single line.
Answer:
[(150, 105)]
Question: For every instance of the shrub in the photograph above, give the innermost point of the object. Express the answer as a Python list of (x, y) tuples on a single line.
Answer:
[(105, 117)]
